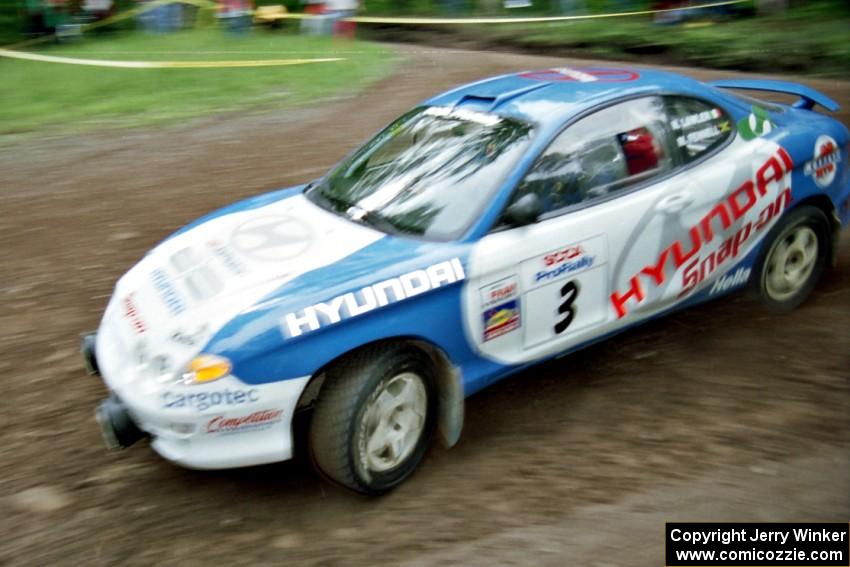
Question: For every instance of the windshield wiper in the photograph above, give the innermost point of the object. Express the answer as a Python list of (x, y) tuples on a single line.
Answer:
[(354, 213), (328, 201), (379, 221)]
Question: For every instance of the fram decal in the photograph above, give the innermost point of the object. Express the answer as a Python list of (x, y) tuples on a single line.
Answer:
[(582, 75), (500, 291), (824, 162), (371, 297), (131, 313), (776, 169)]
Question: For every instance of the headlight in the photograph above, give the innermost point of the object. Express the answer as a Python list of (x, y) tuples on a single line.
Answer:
[(206, 368)]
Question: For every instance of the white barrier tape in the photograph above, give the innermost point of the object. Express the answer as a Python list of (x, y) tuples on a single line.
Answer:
[(528, 20), (161, 64)]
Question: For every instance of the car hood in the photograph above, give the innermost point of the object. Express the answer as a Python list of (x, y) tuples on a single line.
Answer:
[(231, 277)]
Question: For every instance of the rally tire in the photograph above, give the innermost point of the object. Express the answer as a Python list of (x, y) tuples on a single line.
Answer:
[(385, 388), (792, 259)]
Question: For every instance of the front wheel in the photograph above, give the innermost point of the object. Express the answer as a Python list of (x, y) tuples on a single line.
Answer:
[(374, 418), (793, 258)]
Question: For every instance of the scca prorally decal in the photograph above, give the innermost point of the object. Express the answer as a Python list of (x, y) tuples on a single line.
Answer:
[(824, 162), (203, 401), (758, 123), (251, 422), (371, 297), (167, 292), (776, 169), (567, 260), (732, 280)]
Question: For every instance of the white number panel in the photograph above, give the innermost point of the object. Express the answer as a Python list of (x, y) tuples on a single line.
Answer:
[(565, 290)]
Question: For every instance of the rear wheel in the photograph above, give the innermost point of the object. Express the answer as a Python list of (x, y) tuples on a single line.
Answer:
[(793, 258), (374, 418)]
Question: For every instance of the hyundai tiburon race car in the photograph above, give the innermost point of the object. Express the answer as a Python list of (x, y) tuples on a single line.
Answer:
[(497, 225)]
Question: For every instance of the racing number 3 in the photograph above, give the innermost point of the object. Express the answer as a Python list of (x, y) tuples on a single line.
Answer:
[(569, 293)]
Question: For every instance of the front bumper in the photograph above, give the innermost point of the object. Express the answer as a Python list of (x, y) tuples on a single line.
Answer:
[(224, 424)]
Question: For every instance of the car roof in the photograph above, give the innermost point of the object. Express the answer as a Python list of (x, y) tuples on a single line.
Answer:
[(555, 94)]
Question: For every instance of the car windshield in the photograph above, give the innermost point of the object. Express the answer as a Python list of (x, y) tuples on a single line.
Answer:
[(429, 173)]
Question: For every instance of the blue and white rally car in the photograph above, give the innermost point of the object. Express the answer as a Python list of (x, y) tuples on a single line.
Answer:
[(497, 225)]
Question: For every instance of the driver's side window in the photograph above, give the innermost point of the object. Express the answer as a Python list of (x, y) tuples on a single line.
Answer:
[(600, 154)]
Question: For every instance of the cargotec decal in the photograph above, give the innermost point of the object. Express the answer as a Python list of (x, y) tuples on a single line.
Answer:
[(776, 169), (371, 297)]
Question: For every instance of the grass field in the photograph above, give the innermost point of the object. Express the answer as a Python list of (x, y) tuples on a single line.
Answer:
[(36, 95), (810, 39)]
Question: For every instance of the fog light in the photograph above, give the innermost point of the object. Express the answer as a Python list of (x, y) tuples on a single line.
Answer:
[(206, 368)]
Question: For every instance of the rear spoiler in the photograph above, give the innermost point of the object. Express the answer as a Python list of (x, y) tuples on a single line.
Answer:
[(808, 96)]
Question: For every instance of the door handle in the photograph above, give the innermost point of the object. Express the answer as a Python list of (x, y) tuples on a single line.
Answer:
[(674, 203)]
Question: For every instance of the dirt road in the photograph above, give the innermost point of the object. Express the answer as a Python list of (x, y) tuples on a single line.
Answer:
[(722, 412)]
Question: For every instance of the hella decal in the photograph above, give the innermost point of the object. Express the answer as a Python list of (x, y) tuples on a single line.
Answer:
[(731, 281), (826, 157), (371, 297), (203, 401), (776, 169)]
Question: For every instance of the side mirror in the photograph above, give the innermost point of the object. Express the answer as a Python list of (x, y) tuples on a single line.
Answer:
[(525, 210)]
